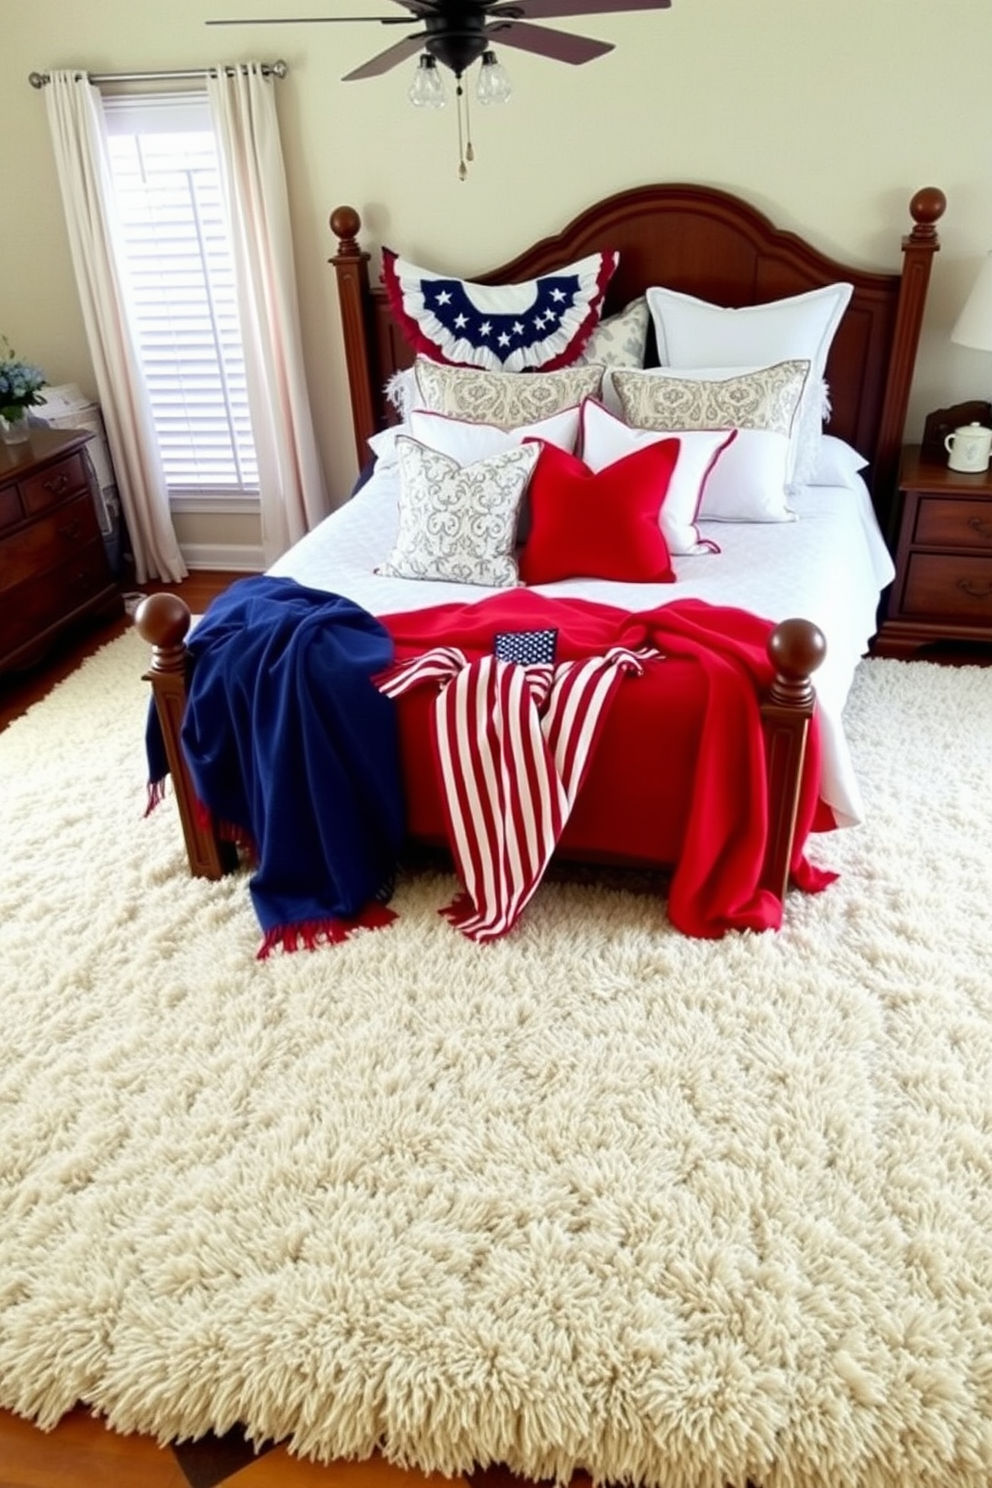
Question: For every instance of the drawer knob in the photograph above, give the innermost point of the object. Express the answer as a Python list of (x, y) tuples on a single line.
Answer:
[(56, 484), (981, 525), (976, 591), (70, 530)]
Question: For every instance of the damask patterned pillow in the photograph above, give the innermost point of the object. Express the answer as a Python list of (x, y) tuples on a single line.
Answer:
[(620, 340), (749, 482), (542, 322), (507, 399), (459, 522)]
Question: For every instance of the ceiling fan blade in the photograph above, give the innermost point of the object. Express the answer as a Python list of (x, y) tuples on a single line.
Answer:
[(545, 10), (391, 57), (560, 46), (393, 20)]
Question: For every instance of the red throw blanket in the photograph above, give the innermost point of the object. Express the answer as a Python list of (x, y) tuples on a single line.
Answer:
[(678, 772)]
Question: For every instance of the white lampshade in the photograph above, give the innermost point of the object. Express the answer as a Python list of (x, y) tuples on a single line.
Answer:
[(973, 326)]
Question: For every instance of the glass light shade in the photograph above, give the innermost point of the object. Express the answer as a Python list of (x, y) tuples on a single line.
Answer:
[(494, 81), (427, 89), (973, 326)]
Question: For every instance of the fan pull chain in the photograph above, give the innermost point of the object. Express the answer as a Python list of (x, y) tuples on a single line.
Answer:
[(462, 167), (469, 152), (465, 151)]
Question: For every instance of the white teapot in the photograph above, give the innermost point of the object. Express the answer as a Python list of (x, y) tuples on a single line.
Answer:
[(969, 447)]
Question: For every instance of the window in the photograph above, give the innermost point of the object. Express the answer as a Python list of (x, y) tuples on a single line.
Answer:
[(176, 257)]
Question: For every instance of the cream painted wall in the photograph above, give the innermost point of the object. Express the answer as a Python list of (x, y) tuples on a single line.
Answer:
[(827, 114)]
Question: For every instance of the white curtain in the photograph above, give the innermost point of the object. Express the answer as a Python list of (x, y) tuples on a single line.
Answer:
[(75, 117), (291, 481)]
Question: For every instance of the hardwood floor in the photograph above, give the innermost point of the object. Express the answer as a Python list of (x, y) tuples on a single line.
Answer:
[(82, 1453)]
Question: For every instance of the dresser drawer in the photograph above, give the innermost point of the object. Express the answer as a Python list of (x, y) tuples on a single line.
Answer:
[(955, 587), (54, 484), (953, 524), (27, 611), (11, 510), (47, 542)]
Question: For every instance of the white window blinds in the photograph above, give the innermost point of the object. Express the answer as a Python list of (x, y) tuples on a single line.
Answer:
[(175, 250)]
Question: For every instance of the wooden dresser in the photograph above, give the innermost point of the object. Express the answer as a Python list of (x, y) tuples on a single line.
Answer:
[(53, 564), (943, 585)]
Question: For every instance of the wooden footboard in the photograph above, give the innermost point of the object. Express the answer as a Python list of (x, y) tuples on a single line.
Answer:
[(796, 648)]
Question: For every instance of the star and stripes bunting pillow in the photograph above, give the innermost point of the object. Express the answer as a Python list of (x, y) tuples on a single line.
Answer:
[(541, 323)]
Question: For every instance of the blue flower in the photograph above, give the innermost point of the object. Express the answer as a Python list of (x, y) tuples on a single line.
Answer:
[(20, 382)]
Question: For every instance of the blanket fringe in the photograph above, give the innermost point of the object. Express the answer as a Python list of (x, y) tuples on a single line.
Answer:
[(311, 933), (156, 795)]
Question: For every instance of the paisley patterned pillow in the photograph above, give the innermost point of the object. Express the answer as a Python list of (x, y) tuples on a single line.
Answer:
[(459, 522), (620, 340), (507, 399), (752, 398)]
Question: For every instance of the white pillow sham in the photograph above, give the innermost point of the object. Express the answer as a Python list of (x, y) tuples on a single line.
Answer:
[(750, 481), (694, 333), (459, 522), (465, 441), (838, 465), (606, 439)]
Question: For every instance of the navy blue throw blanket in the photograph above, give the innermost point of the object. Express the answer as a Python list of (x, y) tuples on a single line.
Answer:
[(291, 746)]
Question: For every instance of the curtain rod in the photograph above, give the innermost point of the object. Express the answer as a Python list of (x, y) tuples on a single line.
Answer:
[(269, 69)]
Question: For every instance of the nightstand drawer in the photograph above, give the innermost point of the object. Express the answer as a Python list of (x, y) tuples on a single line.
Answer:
[(47, 542), (55, 484), (942, 523), (941, 584), (28, 610)]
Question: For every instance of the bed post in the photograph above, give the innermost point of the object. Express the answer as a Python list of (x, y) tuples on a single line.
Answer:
[(919, 247), (796, 648), (163, 620), (351, 264)]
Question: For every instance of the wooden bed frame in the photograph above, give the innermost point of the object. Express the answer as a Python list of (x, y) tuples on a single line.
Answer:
[(703, 242)]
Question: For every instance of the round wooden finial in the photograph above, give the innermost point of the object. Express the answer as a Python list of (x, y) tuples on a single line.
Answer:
[(163, 621), (926, 210), (345, 225), (796, 648)]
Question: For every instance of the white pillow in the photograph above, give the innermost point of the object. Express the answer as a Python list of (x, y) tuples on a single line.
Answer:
[(459, 522), (508, 399), (465, 441), (693, 333), (838, 464), (606, 439), (749, 482)]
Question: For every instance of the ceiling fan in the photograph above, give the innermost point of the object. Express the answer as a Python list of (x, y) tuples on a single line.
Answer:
[(457, 33)]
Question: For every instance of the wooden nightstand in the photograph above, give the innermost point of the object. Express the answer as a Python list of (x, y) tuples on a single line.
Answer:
[(942, 590)]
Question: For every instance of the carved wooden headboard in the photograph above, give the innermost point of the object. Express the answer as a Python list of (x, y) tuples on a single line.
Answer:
[(707, 243)]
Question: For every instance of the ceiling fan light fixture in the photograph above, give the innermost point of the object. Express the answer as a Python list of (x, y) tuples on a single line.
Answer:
[(427, 88), (494, 80)]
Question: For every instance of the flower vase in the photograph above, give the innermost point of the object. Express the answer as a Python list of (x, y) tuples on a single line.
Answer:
[(14, 426)]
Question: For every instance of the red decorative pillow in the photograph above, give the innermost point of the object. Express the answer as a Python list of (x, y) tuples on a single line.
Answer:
[(601, 525)]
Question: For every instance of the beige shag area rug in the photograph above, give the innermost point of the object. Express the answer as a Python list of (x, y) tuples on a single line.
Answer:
[(596, 1196)]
